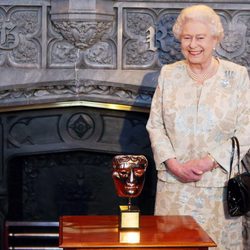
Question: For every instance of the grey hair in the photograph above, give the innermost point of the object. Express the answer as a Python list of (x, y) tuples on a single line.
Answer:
[(201, 13)]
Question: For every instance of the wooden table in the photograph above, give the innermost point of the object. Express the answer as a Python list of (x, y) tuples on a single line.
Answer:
[(156, 232)]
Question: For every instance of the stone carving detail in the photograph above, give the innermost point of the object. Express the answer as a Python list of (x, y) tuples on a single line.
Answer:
[(236, 43), (137, 54), (27, 137), (138, 23), (168, 47), (82, 34), (101, 53), (84, 88), (151, 41), (138, 49), (80, 126), (63, 53), (25, 52), (19, 44)]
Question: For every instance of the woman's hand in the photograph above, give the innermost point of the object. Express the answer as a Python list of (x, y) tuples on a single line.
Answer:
[(207, 163), (190, 171)]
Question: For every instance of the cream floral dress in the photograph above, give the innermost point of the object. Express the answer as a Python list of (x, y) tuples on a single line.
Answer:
[(189, 121)]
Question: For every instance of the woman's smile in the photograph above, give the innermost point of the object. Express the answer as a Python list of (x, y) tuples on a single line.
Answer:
[(195, 53)]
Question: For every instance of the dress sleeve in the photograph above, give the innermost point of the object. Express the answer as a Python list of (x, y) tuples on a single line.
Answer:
[(160, 143), (242, 130)]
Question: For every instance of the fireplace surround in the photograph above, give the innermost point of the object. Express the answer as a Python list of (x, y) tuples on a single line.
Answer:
[(66, 167), (76, 82)]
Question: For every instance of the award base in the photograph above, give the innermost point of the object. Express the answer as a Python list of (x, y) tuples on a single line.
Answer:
[(129, 236), (129, 217)]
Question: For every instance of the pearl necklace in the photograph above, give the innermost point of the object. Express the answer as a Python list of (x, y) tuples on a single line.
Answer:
[(200, 78)]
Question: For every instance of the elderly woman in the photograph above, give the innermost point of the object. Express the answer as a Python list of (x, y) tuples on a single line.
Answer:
[(198, 105)]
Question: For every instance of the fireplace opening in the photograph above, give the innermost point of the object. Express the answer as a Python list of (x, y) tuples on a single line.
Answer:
[(45, 186)]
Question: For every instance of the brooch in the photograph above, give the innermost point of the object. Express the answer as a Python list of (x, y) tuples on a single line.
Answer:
[(229, 74), (224, 83)]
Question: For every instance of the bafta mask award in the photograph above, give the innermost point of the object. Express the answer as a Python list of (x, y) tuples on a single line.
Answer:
[(129, 176)]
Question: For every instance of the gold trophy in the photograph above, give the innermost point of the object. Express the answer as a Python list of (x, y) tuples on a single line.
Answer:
[(129, 176)]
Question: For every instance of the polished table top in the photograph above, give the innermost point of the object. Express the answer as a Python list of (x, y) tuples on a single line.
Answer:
[(155, 231)]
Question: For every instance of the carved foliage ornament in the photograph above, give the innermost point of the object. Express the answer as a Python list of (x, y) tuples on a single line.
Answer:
[(82, 88), (82, 34)]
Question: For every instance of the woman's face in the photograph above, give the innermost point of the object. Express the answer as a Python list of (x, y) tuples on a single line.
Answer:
[(197, 42)]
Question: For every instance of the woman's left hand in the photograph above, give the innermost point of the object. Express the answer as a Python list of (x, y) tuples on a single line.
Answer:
[(203, 165)]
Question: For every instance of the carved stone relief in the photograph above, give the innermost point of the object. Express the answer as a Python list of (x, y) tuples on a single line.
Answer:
[(149, 41), (100, 55), (99, 52), (236, 43), (20, 42), (84, 24), (61, 53), (82, 35), (82, 128), (168, 47), (89, 89), (138, 42)]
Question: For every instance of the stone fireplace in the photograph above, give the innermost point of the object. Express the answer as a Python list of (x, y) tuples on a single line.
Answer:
[(76, 83), (58, 161), (62, 161)]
